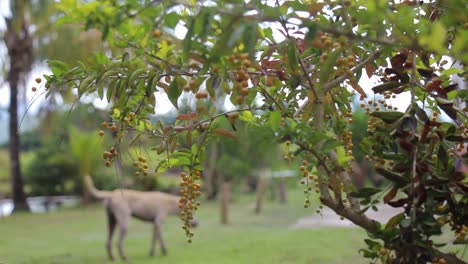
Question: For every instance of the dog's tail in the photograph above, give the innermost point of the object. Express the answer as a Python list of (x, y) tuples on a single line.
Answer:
[(89, 184)]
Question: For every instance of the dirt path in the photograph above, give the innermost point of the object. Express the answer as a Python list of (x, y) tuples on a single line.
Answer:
[(330, 218)]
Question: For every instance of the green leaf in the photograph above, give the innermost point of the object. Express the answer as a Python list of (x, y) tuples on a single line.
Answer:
[(392, 222), (435, 40), (110, 89), (100, 90), (82, 88), (292, 55), (135, 75), (451, 71), (311, 32), (172, 19), (212, 84), (57, 67), (392, 176), (365, 192), (151, 84), (275, 118), (386, 87), (161, 166), (125, 58), (342, 158), (247, 116), (187, 44), (174, 90), (103, 77), (388, 116)]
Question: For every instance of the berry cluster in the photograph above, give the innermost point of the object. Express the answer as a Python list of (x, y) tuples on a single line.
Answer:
[(129, 118), (344, 63), (110, 156), (307, 180), (141, 166), (381, 104), (190, 191), (242, 62), (289, 156), (39, 81), (112, 127)]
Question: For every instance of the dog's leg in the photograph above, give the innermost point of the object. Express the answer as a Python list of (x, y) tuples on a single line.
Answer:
[(111, 221), (154, 239), (123, 227), (157, 231)]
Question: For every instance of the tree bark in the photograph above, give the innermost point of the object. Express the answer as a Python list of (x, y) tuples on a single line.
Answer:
[(261, 185), (210, 173), (19, 48), (225, 196), (282, 191), (17, 185)]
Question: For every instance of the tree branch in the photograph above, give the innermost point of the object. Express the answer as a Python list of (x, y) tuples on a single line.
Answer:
[(330, 85)]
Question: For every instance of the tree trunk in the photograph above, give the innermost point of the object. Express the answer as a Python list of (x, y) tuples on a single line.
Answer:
[(282, 191), (225, 196), (19, 46), (17, 185), (261, 186), (17, 190), (210, 173)]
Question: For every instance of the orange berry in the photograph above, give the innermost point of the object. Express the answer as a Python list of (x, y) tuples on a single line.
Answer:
[(157, 33), (101, 133), (38, 80), (201, 95), (34, 89), (244, 91)]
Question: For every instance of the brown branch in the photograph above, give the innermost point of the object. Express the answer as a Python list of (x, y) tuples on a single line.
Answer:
[(361, 220), (347, 182), (330, 85)]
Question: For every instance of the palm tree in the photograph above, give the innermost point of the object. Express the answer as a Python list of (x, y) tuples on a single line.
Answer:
[(26, 45), (19, 45)]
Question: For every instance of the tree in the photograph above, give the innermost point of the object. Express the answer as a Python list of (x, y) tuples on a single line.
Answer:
[(28, 31), (19, 46), (303, 61)]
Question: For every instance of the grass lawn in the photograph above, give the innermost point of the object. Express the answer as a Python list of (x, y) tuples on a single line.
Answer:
[(78, 235)]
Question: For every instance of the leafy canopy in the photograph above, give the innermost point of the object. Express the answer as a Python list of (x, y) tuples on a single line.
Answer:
[(294, 67)]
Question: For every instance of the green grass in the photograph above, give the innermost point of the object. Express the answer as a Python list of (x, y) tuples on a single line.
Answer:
[(78, 235)]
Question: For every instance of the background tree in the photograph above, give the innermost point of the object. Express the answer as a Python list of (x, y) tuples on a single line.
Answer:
[(20, 52), (303, 61), (30, 37)]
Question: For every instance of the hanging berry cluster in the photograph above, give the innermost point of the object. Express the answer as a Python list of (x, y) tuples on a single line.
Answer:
[(241, 76), (141, 166), (190, 191), (110, 155)]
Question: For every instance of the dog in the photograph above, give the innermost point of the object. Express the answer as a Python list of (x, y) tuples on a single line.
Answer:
[(121, 204)]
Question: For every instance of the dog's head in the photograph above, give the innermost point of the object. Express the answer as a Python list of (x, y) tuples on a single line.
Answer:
[(194, 223)]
